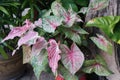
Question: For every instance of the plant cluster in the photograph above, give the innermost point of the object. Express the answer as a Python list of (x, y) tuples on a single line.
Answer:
[(53, 42)]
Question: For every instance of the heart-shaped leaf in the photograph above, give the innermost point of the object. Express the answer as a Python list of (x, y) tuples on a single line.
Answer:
[(53, 55), (70, 17), (102, 43), (72, 59), (97, 65), (98, 69)]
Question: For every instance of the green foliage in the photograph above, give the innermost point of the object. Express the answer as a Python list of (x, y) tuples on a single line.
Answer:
[(39, 63), (97, 66), (66, 74), (59, 23), (83, 3), (4, 10), (103, 44), (108, 24), (3, 53)]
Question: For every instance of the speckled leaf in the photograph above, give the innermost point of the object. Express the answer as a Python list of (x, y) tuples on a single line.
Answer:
[(29, 38), (72, 58), (66, 74), (73, 36), (50, 23), (39, 63), (98, 69), (57, 8), (98, 4), (70, 17), (97, 66), (53, 55), (18, 31), (102, 43)]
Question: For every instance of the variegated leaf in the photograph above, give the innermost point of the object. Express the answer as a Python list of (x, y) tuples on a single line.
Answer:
[(50, 23), (98, 4), (66, 74), (70, 17), (102, 43), (53, 55), (39, 63), (29, 38), (18, 31), (40, 44), (72, 58)]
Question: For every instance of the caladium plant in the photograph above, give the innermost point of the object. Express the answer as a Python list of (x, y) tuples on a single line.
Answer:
[(54, 41)]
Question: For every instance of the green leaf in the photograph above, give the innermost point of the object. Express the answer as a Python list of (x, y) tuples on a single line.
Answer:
[(97, 66), (69, 3), (99, 59), (84, 10), (102, 71), (14, 4), (73, 36), (102, 43), (109, 25), (82, 2), (74, 33), (98, 4), (45, 13), (98, 69), (3, 53), (39, 63), (4, 10), (66, 74)]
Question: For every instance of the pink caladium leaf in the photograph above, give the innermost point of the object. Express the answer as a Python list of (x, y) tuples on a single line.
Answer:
[(57, 8), (53, 55), (72, 59), (70, 17), (50, 23), (102, 43), (18, 31), (40, 44), (29, 38)]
